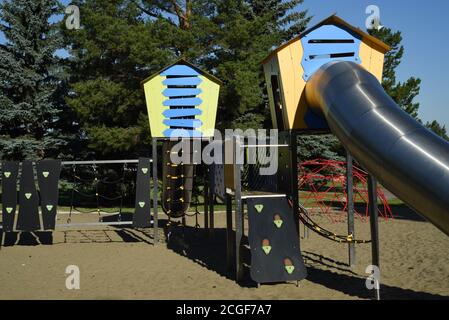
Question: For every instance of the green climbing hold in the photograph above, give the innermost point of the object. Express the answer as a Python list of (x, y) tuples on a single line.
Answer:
[(9, 209), (49, 207), (278, 223), (142, 204), (290, 269), (28, 195), (259, 207), (7, 174), (144, 170), (266, 249), (45, 174)]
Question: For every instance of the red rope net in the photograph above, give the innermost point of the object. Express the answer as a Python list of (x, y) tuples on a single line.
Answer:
[(322, 185)]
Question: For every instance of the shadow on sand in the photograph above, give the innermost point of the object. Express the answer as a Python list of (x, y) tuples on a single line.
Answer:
[(210, 252)]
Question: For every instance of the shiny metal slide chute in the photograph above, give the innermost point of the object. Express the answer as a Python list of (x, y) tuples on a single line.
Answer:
[(409, 160)]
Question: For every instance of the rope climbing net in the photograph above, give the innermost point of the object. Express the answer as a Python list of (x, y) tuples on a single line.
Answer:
[(100, 189), (322, 185)]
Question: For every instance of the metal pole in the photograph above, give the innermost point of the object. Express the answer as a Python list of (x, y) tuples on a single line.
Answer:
[(155, 191), (229, 233), (211, 202), (374, 226), (294, 177), (238, 210), (350, 206), (206, 201)]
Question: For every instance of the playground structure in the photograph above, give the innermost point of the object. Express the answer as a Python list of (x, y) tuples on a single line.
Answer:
[(325, 80)]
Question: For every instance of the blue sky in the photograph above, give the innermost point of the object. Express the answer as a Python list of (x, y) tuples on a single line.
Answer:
[(425, 37), (423, 26)]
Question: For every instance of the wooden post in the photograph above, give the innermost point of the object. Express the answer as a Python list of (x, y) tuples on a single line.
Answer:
[(155, 191), (350, 207), (374, 226)]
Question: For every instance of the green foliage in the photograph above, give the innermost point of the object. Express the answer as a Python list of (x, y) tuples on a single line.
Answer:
[(403, 93), (438, 129), (121, 42), (320, 146), (31, 119), (115, 49)]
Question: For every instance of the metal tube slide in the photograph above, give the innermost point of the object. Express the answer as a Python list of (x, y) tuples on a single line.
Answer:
[(409, 160)]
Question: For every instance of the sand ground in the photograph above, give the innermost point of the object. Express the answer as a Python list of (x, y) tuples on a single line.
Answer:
[(120, 263)]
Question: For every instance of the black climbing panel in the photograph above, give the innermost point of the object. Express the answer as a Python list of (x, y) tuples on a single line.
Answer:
[(274, 242), (28, 218), (142, 213), (10, 171), (48, 172)]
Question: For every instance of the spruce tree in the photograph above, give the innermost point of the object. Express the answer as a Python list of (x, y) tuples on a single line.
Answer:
[(29, 80)]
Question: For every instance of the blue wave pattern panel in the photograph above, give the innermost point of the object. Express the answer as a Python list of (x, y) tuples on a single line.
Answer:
[(328, 43), (182, 101)]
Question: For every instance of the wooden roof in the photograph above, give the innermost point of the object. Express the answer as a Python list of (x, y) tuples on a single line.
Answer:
[(335, 20)]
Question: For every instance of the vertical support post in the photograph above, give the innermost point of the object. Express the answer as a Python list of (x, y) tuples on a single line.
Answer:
[(211, 202), (155, 191), (294, 177), (206, 198), (238, 209), (350, 206), (2, 235), (374, 226), (229, 233)]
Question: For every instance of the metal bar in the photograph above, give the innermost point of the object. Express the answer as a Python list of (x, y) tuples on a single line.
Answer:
[(229, 233), (155, 191), (292, 138), (238, 212), (211, 202), (263, 145), (248, 196), (92, 224), (350, 206), (374, 226), (206, 206), (69, 163)]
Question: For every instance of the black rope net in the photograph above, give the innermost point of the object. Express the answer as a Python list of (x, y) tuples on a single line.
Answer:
[(98, 189)]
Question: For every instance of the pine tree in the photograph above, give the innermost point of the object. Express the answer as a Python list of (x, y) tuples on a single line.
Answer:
[(115, 49), (438, 129), (403, 93), (29, 80)]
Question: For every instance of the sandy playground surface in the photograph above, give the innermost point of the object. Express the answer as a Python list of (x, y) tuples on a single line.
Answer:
[(120, 263)]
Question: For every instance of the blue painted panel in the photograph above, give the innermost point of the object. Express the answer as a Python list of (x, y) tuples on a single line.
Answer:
[(325, 50), (185, 81), (173, 113), (180, 92), (180, 70), (182, 102), (180, 133), (329, 48), (190, 123)]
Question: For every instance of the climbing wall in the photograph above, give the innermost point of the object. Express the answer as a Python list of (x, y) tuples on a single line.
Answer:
[(48, 172), (10, 171), (142, 211), (274, 241)]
